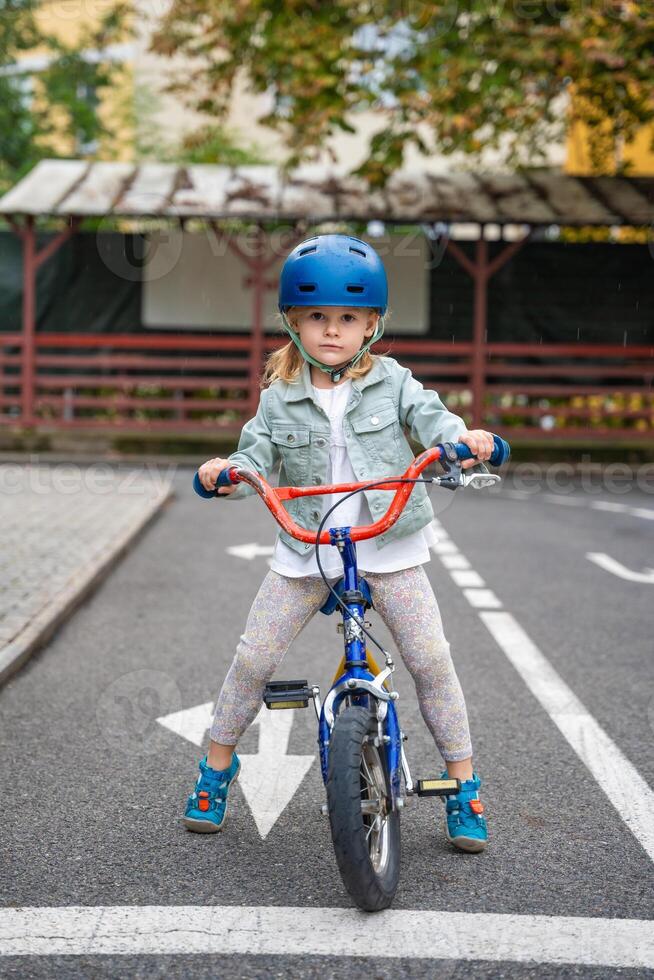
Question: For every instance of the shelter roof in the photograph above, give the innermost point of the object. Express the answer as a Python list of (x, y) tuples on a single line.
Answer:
[(266, 193)]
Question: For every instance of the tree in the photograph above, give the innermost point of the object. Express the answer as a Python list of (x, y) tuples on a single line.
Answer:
[(141, 110), (42, 111), (479, 73)]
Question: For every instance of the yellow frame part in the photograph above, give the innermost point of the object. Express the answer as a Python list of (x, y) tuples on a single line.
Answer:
[(374, 668)]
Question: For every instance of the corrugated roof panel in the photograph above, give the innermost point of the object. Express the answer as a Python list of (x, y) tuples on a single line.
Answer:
[(623, 198), (254, 190), (96, 193), (516, 201), (150, 191), (570, 200), (301, 194), (355, 199), (207, 192), (40, 191), (458, 197)]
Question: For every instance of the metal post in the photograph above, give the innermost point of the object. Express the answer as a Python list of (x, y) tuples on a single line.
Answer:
[(31, 262), (480, 271), (29, 318), (480, 323), (258, 267)]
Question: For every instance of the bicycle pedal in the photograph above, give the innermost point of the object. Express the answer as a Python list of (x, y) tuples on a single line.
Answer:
[(437, 787), (287, 694)]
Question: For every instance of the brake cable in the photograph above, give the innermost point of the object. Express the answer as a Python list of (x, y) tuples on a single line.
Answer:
[(368, 486)]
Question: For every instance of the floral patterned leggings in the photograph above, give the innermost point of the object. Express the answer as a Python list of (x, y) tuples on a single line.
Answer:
[(406, 603)]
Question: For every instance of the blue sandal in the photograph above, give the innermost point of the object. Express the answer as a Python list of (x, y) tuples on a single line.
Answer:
[(206, 807), (465, 827)]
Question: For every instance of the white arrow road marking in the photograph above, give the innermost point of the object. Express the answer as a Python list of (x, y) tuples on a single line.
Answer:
[(612, 565), (191, 723), (269, 779), (250, 551), (154, 930)]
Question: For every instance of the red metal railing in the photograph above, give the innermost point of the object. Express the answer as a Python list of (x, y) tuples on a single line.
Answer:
[(181, 383)]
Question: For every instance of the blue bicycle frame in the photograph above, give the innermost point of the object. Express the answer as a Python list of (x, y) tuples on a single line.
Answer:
[(357, 682)]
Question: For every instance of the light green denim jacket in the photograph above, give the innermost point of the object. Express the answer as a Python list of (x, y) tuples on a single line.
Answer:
[(291, 428)]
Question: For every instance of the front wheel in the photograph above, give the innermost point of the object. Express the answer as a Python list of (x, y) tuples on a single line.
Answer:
[(365, 830)]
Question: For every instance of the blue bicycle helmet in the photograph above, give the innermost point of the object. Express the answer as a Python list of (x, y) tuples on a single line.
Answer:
[(333, 270)]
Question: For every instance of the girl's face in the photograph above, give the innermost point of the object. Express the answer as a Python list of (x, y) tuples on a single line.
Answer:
[(333, 334)]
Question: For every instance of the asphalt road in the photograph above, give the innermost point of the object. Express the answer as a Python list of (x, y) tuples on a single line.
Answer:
[(91, 800)]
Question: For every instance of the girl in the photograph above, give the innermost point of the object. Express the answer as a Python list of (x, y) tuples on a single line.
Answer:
[(332, 412)]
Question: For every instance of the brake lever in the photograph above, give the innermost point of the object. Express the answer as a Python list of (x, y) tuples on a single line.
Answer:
[(479, 480), (452, 466), (455, 477)]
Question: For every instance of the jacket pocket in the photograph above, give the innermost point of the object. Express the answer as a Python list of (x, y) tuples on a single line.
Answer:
[(379, 431), (290, 436), (293, 441)]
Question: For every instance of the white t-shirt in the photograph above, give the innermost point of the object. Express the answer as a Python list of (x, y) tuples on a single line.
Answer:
[(401, 553)]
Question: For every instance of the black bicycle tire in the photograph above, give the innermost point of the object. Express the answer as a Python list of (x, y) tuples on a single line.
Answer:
[(370, 890)]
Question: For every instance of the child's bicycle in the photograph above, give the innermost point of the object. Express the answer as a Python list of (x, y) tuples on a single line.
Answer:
[(362, 757)]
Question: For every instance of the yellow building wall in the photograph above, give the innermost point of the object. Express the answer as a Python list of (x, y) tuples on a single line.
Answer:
[(69, 20), (639, 154)]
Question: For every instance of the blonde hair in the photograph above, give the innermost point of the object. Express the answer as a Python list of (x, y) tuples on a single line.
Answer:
[(286, 363)]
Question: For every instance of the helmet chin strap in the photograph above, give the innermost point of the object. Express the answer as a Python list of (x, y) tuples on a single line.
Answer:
[(335, 373)]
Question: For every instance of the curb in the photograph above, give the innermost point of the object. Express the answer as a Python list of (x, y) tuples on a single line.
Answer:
[(42, 626)]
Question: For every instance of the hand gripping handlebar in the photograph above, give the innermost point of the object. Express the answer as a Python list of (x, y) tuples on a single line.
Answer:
[(273, 496)]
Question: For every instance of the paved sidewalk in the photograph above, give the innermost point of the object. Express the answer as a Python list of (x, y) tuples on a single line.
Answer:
[(61, 528)]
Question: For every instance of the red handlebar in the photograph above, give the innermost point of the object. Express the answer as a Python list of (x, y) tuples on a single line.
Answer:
[(272, 497)]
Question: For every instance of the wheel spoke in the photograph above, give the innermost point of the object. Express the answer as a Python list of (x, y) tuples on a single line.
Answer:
[(371, 784), (372, 826), (369, 776)]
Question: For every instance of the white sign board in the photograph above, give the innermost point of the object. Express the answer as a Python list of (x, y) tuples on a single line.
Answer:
[(195, 281)]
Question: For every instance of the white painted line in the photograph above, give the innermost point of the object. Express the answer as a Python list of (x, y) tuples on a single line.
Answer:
[(444, 547), (555, 498), (613, 506), (468, 578), (482, 598), (616, 568), (455, 561), (610, 505), (286, 931), (617, 777)]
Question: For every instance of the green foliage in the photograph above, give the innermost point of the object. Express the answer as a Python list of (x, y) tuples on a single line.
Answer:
[(40, 108), (141, 110), (477, 74), (214, 144)]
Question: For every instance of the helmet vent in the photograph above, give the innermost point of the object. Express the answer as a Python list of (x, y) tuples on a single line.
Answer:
[(357, 251), (355, 289), (312, 248), (307, 287)]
